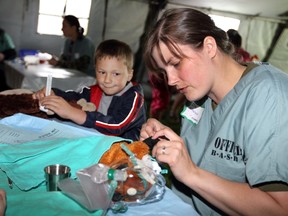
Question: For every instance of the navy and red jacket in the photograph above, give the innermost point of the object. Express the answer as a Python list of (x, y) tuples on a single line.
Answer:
[(125, 115)]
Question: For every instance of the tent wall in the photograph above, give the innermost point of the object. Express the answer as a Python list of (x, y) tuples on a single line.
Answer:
[(257, 35), (279, 55), (124, 22)]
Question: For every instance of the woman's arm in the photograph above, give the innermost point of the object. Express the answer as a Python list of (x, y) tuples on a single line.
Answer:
[(232, 198)]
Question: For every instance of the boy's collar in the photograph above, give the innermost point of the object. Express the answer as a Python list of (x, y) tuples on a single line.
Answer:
[(128, 86)]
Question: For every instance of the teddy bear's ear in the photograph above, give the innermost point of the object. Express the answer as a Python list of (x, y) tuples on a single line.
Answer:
[(86, 106), (116, 154)]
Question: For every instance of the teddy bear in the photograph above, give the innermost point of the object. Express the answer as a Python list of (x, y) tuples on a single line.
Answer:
[(21, 101), (138, 183)]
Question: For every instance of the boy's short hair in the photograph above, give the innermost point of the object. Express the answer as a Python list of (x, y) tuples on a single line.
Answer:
[(115, 48)]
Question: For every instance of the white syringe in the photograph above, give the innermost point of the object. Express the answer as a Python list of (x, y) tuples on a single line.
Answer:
[(47, 91)]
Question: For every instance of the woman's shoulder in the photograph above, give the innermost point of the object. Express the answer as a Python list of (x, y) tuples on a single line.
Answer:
[(265, 74), (86, 40)]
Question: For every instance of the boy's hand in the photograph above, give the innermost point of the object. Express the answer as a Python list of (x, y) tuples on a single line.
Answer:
[(41, 93), (63, 109)]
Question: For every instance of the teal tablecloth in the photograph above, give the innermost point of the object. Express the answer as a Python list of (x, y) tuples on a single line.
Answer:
[(24, 164), (54, 143), (41, 203)]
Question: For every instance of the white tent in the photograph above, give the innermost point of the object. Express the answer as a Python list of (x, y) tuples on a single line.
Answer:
[(263, 24)]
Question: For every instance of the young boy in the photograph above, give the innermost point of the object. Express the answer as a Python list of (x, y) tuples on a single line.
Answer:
[(119, 103)]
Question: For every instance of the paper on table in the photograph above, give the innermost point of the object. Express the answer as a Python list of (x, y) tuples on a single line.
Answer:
[(21, 128)]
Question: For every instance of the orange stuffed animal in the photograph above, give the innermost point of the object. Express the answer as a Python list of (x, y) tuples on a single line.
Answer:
[(116, 154), (134, 187)]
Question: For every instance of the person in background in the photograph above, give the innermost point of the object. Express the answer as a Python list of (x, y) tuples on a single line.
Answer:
[(232, 151), (119, 103), (161, 97), (2, 202), (235, 38), (78, 52), (7, 52)]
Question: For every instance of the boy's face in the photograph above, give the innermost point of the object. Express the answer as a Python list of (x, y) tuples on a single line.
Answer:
[(112, 74)]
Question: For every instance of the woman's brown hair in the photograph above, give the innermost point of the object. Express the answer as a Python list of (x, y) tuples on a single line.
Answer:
[(184, 26)]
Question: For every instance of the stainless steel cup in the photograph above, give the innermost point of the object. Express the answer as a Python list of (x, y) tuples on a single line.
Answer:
[(54, 174)]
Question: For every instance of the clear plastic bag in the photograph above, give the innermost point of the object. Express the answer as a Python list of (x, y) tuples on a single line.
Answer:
[(117, 195)]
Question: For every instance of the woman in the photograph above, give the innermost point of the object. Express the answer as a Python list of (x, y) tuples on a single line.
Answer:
[(232, 152), (78, 50)]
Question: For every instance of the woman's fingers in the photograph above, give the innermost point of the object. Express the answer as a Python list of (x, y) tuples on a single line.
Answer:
[(150, 128)]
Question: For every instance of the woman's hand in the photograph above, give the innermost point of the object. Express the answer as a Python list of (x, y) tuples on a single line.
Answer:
[(171, 150), (53, 61), (63, 109), (150, 128)]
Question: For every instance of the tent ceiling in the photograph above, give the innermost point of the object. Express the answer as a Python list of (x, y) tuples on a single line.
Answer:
[(263, 8)]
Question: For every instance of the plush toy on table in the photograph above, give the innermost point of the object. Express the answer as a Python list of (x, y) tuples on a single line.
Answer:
[(21, 101), (124, 155)]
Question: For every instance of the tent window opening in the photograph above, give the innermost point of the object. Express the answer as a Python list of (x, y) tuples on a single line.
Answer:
[(51, 14), (225, 23)]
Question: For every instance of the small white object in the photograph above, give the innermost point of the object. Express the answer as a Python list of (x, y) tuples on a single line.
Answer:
[(47, 92), (152, 164), (31, 60), (131, 191), (48, 85), (42, 108), (193, 114)]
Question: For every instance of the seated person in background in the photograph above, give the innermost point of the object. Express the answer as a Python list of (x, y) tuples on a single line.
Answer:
[(7, 52), (118, 101), (78, 52), (2, 202), (236, 39)]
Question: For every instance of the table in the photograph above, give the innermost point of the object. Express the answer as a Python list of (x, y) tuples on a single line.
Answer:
[(33, 77), (24, 159), (40, 202)]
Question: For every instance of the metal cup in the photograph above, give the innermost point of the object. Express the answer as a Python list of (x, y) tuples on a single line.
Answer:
[(54, 174)]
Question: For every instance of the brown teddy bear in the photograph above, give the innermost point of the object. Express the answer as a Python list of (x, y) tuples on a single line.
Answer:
[(135, 187), (21, 101)]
